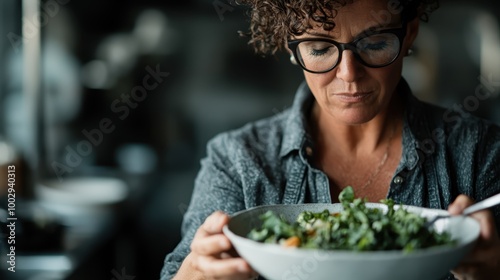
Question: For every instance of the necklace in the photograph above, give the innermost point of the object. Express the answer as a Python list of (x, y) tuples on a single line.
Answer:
[(381, 164)]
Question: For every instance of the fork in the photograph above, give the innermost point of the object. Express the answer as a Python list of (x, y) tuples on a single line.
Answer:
[(484, 204)]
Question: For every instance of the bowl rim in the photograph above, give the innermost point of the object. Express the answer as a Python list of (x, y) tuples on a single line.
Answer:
[(345, 254)]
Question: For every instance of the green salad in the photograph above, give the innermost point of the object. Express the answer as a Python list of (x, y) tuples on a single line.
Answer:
[(355, 228)]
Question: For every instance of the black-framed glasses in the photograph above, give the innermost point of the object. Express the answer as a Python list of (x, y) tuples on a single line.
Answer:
[(373, 49)]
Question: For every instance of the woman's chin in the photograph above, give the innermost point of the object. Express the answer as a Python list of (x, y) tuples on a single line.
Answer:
[(355, 118)]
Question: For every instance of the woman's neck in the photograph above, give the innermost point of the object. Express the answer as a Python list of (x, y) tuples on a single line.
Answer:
[(360, 139)]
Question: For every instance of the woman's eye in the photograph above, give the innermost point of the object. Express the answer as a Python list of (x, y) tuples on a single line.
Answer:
[(374, 46), (317, 49), (378, 42), (319, 52)]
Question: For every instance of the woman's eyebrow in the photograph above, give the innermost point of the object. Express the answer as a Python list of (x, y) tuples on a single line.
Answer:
[(319, 34)]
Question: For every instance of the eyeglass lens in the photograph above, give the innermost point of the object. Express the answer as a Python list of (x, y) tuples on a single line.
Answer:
[(375, 50)]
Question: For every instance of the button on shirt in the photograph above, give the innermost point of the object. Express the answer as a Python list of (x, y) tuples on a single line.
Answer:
[(269, 162)]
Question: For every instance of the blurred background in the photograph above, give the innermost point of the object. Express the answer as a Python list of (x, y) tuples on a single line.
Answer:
[(106, 108)]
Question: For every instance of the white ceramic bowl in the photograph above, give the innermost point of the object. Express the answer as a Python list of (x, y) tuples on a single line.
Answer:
[(275, 262)]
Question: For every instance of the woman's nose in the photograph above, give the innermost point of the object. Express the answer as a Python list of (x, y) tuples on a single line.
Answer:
[(349, 68)]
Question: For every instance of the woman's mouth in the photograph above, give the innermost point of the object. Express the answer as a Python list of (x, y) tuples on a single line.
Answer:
[(354, 97)]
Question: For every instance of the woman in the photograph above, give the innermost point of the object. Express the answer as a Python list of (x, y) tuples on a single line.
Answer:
[(353, 122)]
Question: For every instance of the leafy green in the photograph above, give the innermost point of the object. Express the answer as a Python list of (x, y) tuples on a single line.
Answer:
[(357, 228)]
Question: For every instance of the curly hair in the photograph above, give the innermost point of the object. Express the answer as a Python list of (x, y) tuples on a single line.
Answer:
[(272, 22)]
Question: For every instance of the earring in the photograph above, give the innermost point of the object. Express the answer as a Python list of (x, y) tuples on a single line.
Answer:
[(293, 60), (409, 52)]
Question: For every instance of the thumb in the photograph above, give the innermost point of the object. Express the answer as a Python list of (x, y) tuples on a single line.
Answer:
[(215, 222), (460, 203)]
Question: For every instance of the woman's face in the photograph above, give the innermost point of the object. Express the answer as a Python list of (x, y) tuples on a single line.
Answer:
[(353, 93)]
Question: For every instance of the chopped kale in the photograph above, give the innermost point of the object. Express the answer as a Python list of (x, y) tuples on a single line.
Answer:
[(357, 228)]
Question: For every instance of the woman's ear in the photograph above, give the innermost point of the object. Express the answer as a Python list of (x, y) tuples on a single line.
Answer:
[(411, 33), (292, 57), (288, 50)]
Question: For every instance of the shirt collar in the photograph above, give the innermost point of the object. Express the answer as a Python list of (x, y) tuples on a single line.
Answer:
[(417, 136), (295, 134), (410, 156)]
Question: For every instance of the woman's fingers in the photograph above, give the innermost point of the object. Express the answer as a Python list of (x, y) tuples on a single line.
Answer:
[(460, 203), (229, 268), (211, 245), (487, 224), (209, 239), (485, 218), (213, 253), (214, 223), (483, 261)]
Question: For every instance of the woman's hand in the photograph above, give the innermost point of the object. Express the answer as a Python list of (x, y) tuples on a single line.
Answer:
[(212, 255), (484, 261)]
